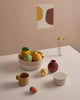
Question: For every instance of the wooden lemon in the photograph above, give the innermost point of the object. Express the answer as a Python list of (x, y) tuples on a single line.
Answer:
[(33, 52), (24, 53)]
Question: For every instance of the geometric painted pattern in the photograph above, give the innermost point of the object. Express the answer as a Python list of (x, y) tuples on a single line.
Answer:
[(45, 16)]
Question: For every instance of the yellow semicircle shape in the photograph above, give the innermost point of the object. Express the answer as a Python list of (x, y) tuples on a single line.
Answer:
[(39, 13)]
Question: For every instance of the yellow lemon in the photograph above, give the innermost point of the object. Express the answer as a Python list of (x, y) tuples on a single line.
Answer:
[(24, 53), (33, 52)]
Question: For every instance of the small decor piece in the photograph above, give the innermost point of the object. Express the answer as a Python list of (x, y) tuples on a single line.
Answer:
[(33, 52), (60, 78), (33, 90), (23, 79), (44, 72), (36, 56), (25, 51), (42, 55), (53, 66), (28, 57), (30, 60), (59, 51), (45, 16)]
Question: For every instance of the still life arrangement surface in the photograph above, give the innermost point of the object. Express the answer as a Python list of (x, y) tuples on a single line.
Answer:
[(54, 79), (28, 58)]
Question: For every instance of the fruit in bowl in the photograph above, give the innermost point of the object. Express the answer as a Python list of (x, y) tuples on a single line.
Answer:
[(30, 60), (24, 52), (36, 56)]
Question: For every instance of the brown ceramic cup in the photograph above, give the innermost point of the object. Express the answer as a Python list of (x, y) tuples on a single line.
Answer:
[(23, 79)]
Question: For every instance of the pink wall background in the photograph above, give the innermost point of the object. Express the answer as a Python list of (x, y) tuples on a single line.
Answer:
[(18, 25)]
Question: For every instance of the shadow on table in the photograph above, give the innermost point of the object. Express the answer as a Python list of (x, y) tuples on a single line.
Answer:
[(51, 55), (37, 75), (11, 67), (50, 85), (50, 73), (10, 85), (28, 93)]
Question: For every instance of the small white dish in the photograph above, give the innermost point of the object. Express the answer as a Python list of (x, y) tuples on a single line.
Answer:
[(60, 78)]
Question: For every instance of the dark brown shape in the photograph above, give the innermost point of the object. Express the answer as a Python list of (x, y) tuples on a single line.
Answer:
[(49, 16), (24, 75)]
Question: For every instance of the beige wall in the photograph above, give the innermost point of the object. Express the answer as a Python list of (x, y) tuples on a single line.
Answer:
[(18, 25)]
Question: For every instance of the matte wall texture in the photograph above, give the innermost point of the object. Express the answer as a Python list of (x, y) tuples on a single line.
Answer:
[(18, 25)]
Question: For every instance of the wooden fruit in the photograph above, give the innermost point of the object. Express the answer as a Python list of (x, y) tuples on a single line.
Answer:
[(36, 56), (41, 54), (24, 53), (28, 58), (44, 72), (33, 52), (33, 90)]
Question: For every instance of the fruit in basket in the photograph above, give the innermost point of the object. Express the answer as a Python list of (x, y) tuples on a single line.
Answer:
[(44, 72), (24, 52), (36, 56), (28, 58), (33, 52), (41, 54), (53, 66)]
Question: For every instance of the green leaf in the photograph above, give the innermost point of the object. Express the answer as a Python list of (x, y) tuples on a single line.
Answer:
[(25, 49)]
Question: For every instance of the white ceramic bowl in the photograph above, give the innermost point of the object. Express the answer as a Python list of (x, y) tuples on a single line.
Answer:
[(30, 65)]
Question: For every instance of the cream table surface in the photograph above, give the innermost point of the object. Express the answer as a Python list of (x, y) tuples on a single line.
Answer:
[(69, 63)]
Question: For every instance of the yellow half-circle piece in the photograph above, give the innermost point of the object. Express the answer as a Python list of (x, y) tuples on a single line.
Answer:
[(39, 13)]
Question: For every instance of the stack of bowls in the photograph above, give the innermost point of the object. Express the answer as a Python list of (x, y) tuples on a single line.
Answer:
[(60, 78)]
